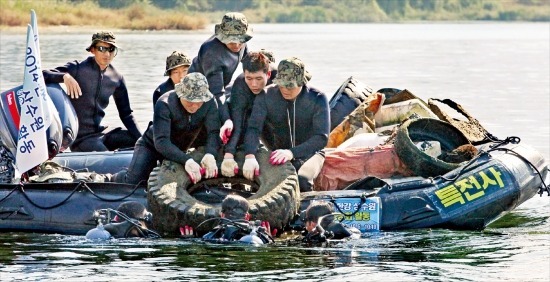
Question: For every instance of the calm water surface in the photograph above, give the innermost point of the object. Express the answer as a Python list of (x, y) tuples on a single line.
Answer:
[(498, 71)]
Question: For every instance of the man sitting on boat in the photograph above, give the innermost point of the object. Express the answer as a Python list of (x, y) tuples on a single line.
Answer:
[(320, 224), (178, 118), (235, 226), (256, 75), (90, 84), (299, 117)]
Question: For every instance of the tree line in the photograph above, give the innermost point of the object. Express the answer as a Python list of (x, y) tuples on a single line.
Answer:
[(278, 11), (195, 14)]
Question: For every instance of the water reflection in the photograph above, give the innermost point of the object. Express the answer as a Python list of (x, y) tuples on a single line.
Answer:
[(459, 61), (430, 254)]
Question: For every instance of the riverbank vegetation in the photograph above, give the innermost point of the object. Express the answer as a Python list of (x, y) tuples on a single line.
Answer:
[(195, 14), (139, 15)]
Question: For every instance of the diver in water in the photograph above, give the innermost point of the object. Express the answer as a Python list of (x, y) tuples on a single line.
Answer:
[(131, 220), (320, 224), (235, 227)]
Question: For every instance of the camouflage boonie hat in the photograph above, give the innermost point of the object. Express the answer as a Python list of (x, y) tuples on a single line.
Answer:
[(291, 73), (103, 36), (234, 28), (175, 60), (194, 88), (268, 54)]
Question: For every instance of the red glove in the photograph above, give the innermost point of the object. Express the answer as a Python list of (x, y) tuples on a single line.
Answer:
[(187, 231), (226, 130)]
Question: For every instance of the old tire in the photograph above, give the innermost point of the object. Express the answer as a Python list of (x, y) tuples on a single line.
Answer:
[(350, 95), (425, 129), (276, 201)]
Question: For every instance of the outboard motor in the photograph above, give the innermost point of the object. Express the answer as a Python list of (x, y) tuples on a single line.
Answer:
[(67, 114), (9, 119), (61, 132)]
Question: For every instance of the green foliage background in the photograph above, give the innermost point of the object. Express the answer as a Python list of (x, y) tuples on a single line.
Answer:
[(351, 11), (195, 14)]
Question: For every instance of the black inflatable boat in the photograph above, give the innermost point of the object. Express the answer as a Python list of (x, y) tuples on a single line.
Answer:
[(469, 195)]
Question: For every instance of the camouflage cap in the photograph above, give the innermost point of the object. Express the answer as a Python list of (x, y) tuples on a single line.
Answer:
[(176, 59), (103, 36), (291, 73), (234, 28), (194, 88), (268, 54)]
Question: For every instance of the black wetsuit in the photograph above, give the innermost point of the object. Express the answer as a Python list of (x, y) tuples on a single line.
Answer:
[(235, 231), (305, 120), (164, 87), (218, 64), (173, 132), (240, 109), (97, 87), (334, 230)]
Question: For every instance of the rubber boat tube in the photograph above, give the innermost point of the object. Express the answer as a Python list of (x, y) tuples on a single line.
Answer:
[(469, 197)]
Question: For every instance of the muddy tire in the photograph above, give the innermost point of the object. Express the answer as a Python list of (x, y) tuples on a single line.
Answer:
[(425, 129), (277, 199)]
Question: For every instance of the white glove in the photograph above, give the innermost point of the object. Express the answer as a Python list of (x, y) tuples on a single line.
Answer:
[(229, 166), (209, 163), (278, 157), (194, 170), (251, 168), (226, 130)]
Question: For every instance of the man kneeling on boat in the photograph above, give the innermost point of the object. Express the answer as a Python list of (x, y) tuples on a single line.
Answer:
[(179, 116), (235, 226), (320, 224)]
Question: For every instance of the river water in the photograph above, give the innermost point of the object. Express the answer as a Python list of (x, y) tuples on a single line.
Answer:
[(499, 72)]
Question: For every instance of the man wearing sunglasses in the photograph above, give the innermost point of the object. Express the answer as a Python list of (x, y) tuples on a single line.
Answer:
[(90, 83)]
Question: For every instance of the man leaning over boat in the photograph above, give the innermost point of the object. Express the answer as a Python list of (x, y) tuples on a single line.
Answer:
[(178, 118), (256, 75), (299, 117)]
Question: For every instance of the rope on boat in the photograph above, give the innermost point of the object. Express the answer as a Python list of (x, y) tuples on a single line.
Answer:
[(515, 140), (495, 147), (111, 200), (490, 137), (455, 177), (21, 188), (363, 201), (543, 187), (14, 212), (12, 190)]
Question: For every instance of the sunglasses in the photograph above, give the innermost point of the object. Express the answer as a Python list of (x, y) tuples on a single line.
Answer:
[(104, 49)]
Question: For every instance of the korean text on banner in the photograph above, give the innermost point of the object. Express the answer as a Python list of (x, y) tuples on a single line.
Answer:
[(49, 111), (32, 142)]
